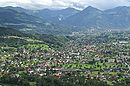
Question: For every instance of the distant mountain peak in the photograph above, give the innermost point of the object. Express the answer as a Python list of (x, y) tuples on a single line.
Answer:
[(90, 8), (69, 8), (12, 7), (120, 9), (123, 7)]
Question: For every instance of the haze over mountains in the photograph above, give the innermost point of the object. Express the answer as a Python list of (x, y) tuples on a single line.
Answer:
[(62, 21)]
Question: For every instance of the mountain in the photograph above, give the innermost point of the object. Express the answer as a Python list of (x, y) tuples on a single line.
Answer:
[(20, 10), (116, 18), (47, 14), (10, 17), (87, 17), (65, 21), (55, 15), (19, 20)]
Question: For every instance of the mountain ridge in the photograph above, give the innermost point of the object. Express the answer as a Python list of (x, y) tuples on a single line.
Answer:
[(93, 18), (64, 21)]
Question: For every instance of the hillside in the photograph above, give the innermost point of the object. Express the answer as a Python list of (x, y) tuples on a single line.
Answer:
[(13, 38), (10, 32)]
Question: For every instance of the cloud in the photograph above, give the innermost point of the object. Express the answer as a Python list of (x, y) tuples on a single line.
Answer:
[(106, 4), (56, 4)]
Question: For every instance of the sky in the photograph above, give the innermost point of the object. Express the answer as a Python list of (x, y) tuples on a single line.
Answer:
[(59, 4)]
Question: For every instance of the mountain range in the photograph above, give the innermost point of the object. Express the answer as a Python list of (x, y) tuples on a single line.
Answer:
[(116, 18), (64, 21), (25, 21), (55, 15)]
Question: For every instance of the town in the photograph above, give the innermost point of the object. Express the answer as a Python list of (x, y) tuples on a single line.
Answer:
[(102, 56)]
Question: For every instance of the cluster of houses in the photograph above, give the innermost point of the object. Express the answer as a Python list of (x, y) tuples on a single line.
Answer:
[(51, 63)]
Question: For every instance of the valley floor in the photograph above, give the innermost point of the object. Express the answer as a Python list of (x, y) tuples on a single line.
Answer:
[(102, 58)]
